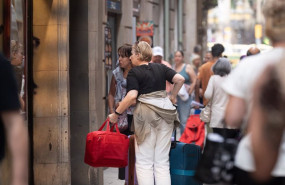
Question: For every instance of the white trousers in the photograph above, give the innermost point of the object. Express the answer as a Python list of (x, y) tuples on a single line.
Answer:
[(152, 156)]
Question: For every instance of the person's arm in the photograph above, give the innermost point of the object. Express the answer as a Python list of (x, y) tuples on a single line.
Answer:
[(22, 103), (197, 86), (111, 95), (210, 89), (265, 149), (17, 139), (197, 89), (190, 71), (178, 81), (129, 100), (266, 123), (235, 111)]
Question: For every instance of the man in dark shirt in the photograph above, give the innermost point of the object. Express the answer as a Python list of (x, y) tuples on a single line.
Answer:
[(12, 126)]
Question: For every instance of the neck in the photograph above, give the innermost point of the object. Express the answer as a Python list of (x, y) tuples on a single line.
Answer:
[(178, 64), (158, 62), (127, 69), (143, 63), (215, 59), (278, 44)]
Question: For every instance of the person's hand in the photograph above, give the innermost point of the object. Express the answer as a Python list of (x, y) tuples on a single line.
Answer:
[(113, 118), (201, 93), (196, 107), (173, 99)]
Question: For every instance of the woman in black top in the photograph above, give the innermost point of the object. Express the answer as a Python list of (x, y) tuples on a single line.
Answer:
[(154, 115)]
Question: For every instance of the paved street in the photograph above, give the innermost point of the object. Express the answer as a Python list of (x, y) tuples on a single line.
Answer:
[(111, 177)]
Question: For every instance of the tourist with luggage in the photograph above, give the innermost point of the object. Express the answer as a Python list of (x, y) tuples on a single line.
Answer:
[(155, 116), (118, 91)]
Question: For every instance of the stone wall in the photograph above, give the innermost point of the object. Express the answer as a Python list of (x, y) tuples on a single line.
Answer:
[(51, 99)]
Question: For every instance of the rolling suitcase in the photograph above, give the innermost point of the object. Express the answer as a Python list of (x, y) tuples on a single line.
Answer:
[(183, 161)]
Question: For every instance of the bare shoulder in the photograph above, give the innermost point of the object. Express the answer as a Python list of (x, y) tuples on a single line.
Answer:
[(189, 68)]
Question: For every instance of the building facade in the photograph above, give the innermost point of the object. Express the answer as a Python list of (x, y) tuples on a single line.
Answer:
[(70, 51)]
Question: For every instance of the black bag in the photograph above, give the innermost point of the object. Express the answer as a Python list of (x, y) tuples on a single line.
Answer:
[(217, 162)]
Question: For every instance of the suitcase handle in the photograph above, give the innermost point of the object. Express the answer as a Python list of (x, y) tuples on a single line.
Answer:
[(173, 143), (108, 126)]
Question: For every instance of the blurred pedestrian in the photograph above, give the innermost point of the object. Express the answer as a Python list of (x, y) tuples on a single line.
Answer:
[(195, 62), (267, 123), (154, 115), (157, 57), (197, 50), (208, 57), (239, 85), (187, 71), (219, 98), (118, 92), (12, 125), (205, 71), (252, 51)]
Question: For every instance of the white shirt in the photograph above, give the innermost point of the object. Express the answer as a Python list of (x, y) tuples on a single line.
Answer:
[(240, 83), (219, 100)]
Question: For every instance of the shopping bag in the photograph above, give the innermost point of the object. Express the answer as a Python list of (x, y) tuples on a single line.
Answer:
[(217, 162), (205, 114), (106, 148)]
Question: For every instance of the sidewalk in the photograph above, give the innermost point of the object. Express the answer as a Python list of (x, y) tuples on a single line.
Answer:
[(111, 177)]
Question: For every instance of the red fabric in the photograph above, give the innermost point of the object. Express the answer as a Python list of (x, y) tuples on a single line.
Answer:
[(106, 148), (194, 131)]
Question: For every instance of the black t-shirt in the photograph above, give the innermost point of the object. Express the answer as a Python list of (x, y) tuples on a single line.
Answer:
[(9, 99), (149, 78)]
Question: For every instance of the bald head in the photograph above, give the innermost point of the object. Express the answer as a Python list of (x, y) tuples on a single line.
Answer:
[(252, 51)]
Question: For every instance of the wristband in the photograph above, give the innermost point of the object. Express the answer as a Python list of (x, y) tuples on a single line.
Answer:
[(117, 113)]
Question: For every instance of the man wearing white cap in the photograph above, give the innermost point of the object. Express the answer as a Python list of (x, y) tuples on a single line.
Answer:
[(157, 55)]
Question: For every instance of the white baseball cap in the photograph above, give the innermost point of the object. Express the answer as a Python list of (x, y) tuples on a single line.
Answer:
[(157, 51)]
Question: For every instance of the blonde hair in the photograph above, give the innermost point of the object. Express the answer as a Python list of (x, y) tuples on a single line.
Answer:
[(144, 51), (274, 13)]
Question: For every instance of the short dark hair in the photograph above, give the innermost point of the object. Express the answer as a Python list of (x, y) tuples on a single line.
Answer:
[(125, 50), (222, 67), (217, 50), (197, 49)]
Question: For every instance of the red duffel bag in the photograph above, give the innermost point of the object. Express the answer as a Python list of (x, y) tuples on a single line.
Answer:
[(106, 148), (194, 131)]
